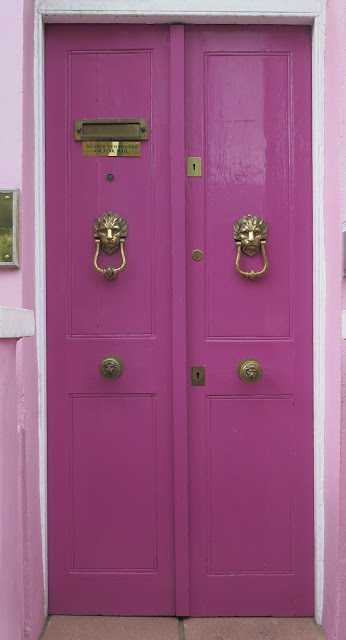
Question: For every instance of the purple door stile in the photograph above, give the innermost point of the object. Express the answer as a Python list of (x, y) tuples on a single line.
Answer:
[(179, 363)]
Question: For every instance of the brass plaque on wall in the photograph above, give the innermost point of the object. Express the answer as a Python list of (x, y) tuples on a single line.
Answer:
[(112, 148), (9, 215), (111, 129)]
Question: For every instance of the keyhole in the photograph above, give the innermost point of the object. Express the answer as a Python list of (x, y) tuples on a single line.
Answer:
[(197, 375), (194, 166)]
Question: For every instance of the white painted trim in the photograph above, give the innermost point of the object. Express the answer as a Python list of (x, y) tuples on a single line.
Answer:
[(319, 299), (40, 283), (53, 9), (16, 323), (203, 11)]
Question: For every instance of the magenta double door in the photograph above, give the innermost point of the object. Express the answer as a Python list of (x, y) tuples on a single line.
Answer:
[(167, 498)]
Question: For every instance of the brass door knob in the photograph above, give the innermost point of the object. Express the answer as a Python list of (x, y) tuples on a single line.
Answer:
[(250, 370), (111, 367)]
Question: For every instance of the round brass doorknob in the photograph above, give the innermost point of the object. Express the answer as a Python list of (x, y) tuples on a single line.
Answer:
[(250, 370), (111, 367)]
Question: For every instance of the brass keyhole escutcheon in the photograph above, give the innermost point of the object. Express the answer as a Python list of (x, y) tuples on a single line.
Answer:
[(250, 370), (111, 367)]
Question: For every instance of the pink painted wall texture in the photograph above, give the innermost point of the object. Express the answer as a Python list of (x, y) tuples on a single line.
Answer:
[(341, 593), (21, 576), (11, 581)]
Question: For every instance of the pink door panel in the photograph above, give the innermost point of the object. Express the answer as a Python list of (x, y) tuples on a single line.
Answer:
[(111, 529), (248, 99), (136, 540), (242, 441), (121, 81)]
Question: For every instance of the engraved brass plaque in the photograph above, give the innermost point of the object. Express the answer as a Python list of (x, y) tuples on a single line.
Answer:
[(111, 129), (9, 215), (112, 148)]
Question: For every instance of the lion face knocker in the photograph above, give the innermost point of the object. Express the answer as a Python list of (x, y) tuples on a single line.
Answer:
[(110, 232), (250, 233), (109, 229)]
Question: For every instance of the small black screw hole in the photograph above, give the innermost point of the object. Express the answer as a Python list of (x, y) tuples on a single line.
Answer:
[(110, 177)]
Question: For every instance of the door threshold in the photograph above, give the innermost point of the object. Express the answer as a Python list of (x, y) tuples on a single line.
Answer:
[(158, 628)]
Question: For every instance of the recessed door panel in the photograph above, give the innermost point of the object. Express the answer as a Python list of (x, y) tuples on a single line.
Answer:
[(117, 484), (115, 82), (247, 170), (249, 515)]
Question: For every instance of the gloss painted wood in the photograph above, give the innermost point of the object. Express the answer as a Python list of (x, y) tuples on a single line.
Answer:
[(179, 380), (248, 104), (113, 490), (111, 526)]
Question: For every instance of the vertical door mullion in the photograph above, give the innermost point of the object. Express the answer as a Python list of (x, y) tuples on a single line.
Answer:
[(177, 148)]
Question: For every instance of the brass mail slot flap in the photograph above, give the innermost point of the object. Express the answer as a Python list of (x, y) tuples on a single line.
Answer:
[(111, 129)]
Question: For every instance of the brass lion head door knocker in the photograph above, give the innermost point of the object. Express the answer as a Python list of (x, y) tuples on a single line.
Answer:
[(250, 233), (110, 232)]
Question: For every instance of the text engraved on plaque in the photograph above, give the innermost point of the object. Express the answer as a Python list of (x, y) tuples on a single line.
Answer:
[(111, 148)]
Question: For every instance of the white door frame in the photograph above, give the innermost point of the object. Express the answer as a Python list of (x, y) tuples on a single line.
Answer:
[(310, 12)]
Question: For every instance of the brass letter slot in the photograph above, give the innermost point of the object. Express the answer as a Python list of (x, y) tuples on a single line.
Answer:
[(111, 129), (198, 376)]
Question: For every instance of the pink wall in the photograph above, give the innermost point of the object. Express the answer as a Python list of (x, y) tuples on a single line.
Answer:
[(341, 592), (11, 577), (25, 605), (21, 605)]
